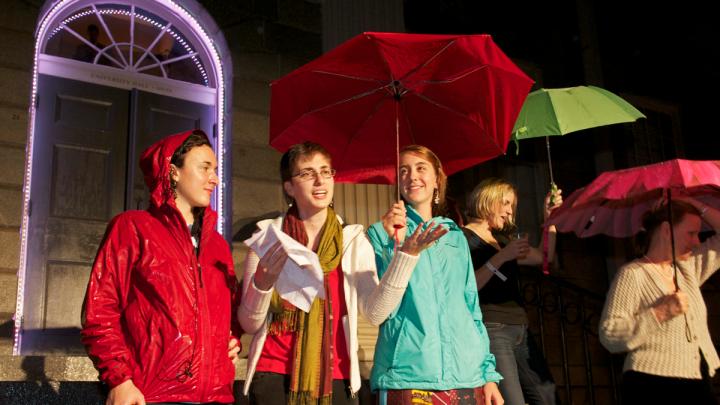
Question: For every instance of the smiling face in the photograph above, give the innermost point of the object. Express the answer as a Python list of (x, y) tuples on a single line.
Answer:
[(197, 178), (311, 185), (418, 181)]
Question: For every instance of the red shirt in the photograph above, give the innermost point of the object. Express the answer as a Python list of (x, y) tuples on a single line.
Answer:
[(277, 352)]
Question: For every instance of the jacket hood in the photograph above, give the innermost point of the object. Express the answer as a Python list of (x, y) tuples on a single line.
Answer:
[(155, 164)]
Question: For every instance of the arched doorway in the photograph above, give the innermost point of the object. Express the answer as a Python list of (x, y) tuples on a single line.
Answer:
[(110, 77)]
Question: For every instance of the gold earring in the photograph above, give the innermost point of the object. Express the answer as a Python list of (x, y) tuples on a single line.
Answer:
[(173, 184), (436, 199)]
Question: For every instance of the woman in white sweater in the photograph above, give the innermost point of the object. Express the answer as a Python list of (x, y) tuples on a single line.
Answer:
[(663, 329), (307, 358)]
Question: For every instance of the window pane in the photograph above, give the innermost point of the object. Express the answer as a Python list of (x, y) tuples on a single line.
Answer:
[(105, 35)]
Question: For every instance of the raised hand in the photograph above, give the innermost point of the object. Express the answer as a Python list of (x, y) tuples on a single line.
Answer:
[(396, 218), (553, 200), (270, 266), (421, 239)]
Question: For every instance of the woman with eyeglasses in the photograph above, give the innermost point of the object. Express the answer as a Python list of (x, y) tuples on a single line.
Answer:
[(307, 358)]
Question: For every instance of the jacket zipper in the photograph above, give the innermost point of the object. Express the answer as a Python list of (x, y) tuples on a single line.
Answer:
[(207, 354)]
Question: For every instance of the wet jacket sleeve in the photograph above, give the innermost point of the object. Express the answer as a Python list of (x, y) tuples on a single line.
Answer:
[(235, 296), (105, 299), (473, 303)]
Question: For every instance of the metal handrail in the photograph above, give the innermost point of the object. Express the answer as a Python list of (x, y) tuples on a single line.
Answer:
[(576, 307)]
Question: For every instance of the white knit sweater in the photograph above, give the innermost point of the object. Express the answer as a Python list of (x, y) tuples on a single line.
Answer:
[(628, 323), (364, 294)]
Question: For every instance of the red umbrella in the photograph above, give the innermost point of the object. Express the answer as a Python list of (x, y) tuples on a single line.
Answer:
[(459, 95), (614, 203)]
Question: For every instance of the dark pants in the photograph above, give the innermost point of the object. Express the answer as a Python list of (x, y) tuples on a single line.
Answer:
[(641, 388), (272, 389)]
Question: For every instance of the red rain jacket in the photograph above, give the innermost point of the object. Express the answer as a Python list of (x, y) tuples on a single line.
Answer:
[(153, 312)]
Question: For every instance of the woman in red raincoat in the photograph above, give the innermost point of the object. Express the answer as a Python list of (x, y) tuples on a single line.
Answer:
[(157, 312)]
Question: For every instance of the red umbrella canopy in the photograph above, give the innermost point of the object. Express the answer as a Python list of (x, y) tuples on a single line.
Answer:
[(615, 202), (459, 95)]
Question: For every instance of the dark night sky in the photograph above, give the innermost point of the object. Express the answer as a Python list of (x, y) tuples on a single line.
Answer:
[(667, 52)]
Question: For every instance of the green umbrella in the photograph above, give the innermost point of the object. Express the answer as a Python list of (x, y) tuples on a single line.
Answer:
[(549, 112)]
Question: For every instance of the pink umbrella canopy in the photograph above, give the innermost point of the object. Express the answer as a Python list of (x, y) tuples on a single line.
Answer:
[(459, 95), (614, 203)]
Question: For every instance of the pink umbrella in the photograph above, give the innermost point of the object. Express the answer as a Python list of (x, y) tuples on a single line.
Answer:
[(614, 203)]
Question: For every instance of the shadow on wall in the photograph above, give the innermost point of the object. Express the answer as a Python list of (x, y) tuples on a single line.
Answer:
[(246, 226)]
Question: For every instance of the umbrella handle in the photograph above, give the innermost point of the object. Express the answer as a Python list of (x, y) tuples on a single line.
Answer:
[(553, 190)]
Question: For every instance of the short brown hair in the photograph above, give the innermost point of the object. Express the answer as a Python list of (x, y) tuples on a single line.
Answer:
[(296, 153)]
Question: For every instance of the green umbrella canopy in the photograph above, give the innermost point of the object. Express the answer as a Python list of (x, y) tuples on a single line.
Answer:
[(549, 112)]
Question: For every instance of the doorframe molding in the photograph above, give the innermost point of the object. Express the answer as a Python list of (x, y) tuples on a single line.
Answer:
[(112, 77), (206, 36)]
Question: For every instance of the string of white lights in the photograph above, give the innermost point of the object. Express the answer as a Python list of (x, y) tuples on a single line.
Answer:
[(44, 33)]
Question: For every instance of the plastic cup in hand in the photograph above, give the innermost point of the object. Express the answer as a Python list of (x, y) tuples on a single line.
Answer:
[(518, 236)]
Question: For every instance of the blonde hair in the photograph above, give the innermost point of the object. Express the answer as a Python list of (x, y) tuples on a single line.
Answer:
[(485, 198), (425, 153)]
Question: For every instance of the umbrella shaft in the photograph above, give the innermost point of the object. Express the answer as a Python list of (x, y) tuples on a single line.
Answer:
[(547, 146)]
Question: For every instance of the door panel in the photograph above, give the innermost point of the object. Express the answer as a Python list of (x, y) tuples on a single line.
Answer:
[(78, 185), (154, 117), (85, 135)]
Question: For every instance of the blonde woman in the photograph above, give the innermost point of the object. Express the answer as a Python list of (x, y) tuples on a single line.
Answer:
[(491, 212)]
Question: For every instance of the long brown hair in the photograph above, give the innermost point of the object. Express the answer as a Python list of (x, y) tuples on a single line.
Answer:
[(425, 153)]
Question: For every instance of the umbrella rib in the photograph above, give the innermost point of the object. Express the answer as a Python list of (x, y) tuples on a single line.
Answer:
[(347, 100), (450, 80), (443, 106), (360, 127), (427, 62), (365, 79)]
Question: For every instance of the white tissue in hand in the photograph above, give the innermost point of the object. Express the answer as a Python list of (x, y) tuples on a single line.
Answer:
[(301, 279)]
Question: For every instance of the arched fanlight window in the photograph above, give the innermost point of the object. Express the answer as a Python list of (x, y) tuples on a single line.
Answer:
[(169, 48), (129, 38)]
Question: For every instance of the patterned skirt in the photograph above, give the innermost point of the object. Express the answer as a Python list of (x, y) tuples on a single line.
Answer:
[(463, 396)]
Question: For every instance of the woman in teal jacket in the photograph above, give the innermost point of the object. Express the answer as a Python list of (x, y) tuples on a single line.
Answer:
[(433, 347)]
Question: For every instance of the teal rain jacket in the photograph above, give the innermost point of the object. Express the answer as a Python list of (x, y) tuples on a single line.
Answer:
[(435, 338)]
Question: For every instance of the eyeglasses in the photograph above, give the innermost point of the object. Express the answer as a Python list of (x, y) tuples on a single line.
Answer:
[(311, 174)]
